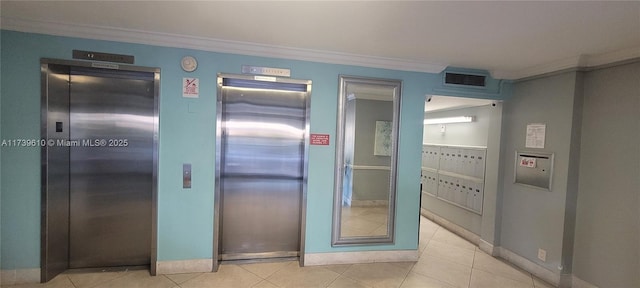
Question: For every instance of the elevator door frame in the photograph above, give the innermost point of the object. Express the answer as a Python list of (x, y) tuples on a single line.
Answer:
[(47, 272), (217, 193)]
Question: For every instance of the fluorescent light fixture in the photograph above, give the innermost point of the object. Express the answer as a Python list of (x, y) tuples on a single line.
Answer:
[(460, 119)]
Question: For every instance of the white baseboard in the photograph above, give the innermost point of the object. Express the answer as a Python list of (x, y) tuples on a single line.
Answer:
[(532, 267), (358, 257), (184, 266), (426, 213), (488, 248), (19, 276), (455, 228), (579, 283)]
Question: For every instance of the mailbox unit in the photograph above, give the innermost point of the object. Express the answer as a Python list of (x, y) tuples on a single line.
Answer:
[(454, 174)]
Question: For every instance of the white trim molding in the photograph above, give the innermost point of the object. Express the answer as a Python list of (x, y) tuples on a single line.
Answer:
[(359, 257), (576, 62), (558, 65), (19, 276), (184, 266), (612, 57), (215, 45)]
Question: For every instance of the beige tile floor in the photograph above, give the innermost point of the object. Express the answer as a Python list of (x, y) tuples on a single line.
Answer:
[(446, 261)]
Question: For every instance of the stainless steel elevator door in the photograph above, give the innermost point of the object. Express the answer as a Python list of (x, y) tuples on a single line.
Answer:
[(261, 171), (112, 118)]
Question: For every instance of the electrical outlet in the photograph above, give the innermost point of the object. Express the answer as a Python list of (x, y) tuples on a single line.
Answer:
[(542, 254)]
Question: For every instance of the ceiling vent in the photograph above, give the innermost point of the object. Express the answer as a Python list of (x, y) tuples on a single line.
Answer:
[(469, 80)]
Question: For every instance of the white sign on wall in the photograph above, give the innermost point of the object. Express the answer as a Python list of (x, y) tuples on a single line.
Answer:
[(535, 135), (190, 87)]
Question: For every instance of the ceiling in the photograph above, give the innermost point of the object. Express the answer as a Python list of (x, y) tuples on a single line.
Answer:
[(510, 39)]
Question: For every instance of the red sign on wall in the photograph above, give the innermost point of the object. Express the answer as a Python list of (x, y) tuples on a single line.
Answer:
[(319, 139)]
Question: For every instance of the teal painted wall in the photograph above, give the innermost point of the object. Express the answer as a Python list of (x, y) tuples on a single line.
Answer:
[(187, 135)]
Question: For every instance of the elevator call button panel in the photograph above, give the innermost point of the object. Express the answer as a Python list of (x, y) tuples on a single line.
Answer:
[(186, 176)]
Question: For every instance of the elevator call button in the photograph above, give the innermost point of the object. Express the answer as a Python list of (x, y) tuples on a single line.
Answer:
[(186, 176)]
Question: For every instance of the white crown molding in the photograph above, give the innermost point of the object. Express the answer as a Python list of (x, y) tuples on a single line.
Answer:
[(282, 52), (612, 57), (554, 66), (576, 62), (214, 45)]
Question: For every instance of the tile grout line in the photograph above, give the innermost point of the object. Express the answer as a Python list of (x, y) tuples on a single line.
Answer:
[(492, 272), (533, 281), (73, 284), (254, 285), (407, 274), (339, 273), (473, 264), (265, 278), (70, 280), (510, 265), (452, 262), (355, 280), (334, 280), (124, 273), (257, 274), (470, 275), (174, 282), (201, 273), (274, 284)]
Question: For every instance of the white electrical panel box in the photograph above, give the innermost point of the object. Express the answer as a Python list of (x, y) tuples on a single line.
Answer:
[(454, 174)]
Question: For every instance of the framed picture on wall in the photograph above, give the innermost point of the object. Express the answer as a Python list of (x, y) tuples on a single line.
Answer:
[(382, 145)]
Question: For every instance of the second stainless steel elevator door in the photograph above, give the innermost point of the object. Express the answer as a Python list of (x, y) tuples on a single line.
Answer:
[(111, 167), (261, 166)]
